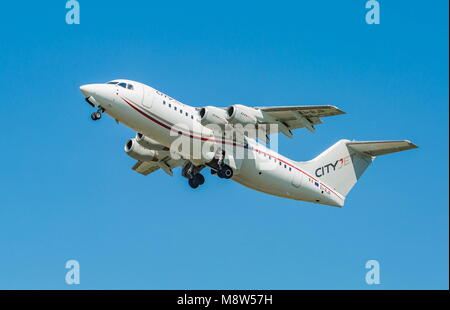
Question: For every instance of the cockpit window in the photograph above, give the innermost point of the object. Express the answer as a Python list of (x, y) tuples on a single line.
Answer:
[(122, 84)]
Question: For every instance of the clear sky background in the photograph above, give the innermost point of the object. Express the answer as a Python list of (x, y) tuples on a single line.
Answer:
[(67, 190)]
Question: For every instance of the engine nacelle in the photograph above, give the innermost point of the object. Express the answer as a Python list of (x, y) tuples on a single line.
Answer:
[(243, 115), (138, 152), (148, 143), (213, 115)]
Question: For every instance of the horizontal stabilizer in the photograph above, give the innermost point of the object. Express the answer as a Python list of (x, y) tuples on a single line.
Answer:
[(377, 148)]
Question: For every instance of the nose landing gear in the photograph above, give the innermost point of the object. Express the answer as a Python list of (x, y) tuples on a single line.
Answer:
[(97, 115)]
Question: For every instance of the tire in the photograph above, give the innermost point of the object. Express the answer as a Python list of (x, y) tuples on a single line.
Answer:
[(193, 183), (96, 116), (228, 173), (220, 174), (200, 179), (225, 173)]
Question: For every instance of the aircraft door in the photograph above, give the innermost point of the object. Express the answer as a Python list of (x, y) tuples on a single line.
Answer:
[(148, 97)]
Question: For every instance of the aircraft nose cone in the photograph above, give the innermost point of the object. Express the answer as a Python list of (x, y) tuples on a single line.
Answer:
[(88, 90)]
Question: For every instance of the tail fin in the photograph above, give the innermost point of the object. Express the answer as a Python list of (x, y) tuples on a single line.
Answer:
[(341, 165)]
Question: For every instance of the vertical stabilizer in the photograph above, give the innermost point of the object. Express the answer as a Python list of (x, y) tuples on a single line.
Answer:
[(341, 165)]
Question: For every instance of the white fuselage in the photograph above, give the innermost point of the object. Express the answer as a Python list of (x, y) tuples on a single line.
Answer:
[(154, 114)]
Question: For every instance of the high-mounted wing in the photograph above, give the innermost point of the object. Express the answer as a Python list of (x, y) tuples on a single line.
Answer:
[(286, 118)]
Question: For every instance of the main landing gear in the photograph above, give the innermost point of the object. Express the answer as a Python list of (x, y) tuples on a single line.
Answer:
[(218, 166), (196, 180), (97, 115), (192, 173), (223, 172)]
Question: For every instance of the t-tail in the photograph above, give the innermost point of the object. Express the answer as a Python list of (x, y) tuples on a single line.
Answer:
[(341, 165)]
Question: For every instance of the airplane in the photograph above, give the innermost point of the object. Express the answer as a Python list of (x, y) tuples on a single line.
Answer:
[(222, 135)]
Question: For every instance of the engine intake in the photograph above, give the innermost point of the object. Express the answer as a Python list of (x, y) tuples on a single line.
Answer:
[(213, 115), (244, 115), (138, 152)]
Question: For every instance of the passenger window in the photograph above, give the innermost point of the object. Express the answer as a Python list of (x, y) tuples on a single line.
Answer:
[(130, 87), (164, 102), (181, 111), (187, 114), (170, 105), (124, 85), (192, 116), (175, 108)]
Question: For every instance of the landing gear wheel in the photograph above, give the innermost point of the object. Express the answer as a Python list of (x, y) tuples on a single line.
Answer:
[(200, 178), (197, 180), (96, 116), (192, 183), (225, 172)]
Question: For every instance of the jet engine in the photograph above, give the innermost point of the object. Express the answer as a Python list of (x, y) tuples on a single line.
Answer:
[(138, 152), (213, 115), (243, 115), (148, 143)]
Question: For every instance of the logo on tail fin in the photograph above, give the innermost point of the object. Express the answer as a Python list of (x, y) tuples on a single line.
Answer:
[(331, 167)]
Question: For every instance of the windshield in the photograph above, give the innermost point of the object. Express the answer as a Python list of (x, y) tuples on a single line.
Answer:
[(122, 84)]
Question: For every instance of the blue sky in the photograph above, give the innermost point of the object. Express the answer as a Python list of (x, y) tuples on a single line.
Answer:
[(67, 191)]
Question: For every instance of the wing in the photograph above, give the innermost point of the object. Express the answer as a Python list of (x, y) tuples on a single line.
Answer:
[(145, 167), (284, 118), (166, 164), (294, 117)]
